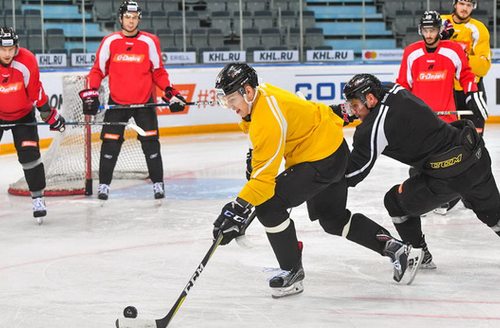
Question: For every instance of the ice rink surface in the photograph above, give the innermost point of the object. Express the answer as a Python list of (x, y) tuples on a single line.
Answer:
[(87, 262)]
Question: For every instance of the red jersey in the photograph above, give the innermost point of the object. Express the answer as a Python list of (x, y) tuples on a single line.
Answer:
[(430, 76), (133, 64), (20, 87)]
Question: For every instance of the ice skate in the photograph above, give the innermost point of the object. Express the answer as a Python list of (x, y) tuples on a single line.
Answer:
[(445, 208), (287, 283), (39, 209), (427, 262), (405, 259), (159, 192), (103, 193)]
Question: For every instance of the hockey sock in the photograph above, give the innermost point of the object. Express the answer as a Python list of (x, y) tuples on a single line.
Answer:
[(151, 149), (364, 232), (35, 176), (410, 230), (109, 156), (285, 246)]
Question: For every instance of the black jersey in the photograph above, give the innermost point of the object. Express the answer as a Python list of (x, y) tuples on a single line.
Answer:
[(401, 126)]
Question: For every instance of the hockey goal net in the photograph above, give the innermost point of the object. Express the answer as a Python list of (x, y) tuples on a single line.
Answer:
[(72, 160)]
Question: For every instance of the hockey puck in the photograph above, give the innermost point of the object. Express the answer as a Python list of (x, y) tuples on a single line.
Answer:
[(130, 312)]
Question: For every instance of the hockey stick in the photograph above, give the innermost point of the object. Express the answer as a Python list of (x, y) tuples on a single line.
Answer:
[(165, 321), (138, 129), (459, 112), (152, 105)]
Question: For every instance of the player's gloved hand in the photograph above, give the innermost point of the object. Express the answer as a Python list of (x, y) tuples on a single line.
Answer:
[(52, 117), (448, 30), (249, 170), (341, 111), (475, 102), (90, 99), (232, 218), (177, 102)]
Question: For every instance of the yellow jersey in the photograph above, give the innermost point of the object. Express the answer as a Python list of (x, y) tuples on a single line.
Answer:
[(285, 126), (474, 38)]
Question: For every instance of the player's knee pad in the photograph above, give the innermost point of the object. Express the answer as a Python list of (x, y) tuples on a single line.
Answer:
[(337, 225), (28, 155), (391, 203), (110, 150), (491, 218), (151, 149)]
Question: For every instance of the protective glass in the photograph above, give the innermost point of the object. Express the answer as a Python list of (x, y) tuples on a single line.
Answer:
[(130, 16), (347, 108), (227, 101)]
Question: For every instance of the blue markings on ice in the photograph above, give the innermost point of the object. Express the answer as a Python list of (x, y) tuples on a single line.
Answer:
[(185, 189)]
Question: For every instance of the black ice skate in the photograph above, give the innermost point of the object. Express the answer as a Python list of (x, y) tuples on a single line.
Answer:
[(39, 209), (405, 259), (286, 283), (103, 192), (159, 190), (427, 262)]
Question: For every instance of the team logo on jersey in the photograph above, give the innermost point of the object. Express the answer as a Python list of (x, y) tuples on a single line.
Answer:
[(128, 58), (432, 76), (11, 87)]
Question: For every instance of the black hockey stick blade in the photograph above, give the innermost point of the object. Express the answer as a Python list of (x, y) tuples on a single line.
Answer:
[(152, 105), (165, 321)]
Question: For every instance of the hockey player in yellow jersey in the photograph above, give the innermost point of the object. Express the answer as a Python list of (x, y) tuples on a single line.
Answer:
[(474, 38), (308, 137)]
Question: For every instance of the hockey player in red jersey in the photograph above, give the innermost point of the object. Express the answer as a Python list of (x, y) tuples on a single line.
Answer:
[(21, 91), (132, 60), (429, 68)]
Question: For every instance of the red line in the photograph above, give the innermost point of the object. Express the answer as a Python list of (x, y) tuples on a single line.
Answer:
[(417, 315), (94, 253), (423, 300)]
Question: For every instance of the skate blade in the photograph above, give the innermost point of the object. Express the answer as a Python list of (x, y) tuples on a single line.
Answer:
[(440, 211), (414, 261), (296, 288), (428, 266), (39, 220), (159, 202)]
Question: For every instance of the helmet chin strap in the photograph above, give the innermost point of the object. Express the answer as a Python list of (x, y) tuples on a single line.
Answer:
[(250, 102)]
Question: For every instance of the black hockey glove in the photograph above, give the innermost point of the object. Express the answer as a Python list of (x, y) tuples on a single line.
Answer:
[(475, 102), (341, 111), (448, 30), (53, 118), (232, 218), (249, 170), (90, 99), (177, 102)]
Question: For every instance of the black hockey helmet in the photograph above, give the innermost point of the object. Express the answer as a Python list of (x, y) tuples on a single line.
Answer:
[(430, 18), (131, 6), (360, 85), (233, 78), (473, 1), (8, 37)]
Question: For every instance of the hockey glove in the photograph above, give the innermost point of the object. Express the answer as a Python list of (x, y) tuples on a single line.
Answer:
[(231, 220), (341, 111), (177, 102), (475, 102), (90, 99), (249, 170), (53, 118), (448, 30)]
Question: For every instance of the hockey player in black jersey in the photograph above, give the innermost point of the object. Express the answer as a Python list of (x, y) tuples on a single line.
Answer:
[(451, 159)]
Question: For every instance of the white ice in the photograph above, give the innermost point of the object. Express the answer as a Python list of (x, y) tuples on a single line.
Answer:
[(86, 263)]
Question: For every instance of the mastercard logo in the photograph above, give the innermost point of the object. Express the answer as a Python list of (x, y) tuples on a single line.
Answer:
[(370, 55)]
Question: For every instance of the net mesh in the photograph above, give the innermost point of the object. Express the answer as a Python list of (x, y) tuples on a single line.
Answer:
[(65, 160)]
